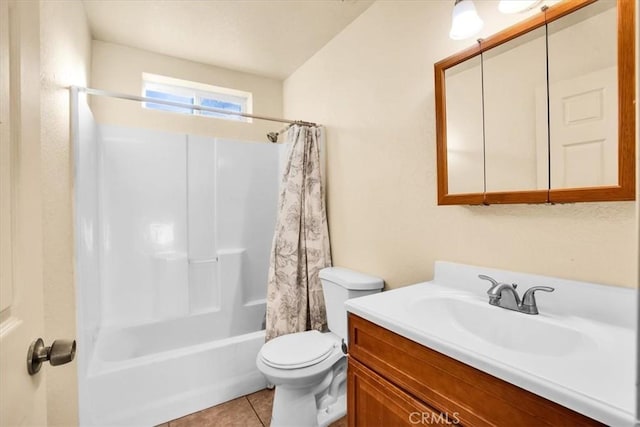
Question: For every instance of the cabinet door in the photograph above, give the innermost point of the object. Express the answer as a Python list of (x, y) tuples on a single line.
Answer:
[(465, 145), (373, 401), (513, 73), (583, 98)]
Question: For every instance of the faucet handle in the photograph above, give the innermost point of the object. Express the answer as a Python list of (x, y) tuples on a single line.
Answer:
[(529, 298), (493, 281)]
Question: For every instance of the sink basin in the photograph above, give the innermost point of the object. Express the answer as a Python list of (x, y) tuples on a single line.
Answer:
[(531, 334)]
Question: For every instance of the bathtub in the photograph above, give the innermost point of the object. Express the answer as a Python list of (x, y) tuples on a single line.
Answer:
[(149, 374)]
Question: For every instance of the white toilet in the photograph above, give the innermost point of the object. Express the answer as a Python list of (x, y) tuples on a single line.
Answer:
[(309, 369)]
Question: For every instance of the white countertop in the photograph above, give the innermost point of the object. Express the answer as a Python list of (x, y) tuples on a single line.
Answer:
[(596, 379)]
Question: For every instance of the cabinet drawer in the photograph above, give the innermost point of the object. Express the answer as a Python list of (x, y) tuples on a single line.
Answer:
[(450, 386)]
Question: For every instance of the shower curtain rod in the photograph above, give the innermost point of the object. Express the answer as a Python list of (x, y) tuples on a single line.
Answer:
[(118, 95)]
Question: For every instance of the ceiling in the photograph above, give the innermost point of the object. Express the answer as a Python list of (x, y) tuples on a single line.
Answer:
[(265, 37)]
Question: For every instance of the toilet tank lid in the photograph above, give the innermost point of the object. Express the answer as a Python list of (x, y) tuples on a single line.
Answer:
[(350, 279)]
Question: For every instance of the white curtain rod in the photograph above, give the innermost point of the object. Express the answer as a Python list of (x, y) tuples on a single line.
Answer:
[(118, 95)]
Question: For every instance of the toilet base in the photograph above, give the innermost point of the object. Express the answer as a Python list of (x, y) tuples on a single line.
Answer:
[(316, 406), (333, 412), (298, 410)]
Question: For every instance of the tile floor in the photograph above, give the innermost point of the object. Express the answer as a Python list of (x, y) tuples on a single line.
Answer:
[(253, 410)]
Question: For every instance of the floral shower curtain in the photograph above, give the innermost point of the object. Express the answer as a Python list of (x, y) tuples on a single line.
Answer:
[(295, 301)]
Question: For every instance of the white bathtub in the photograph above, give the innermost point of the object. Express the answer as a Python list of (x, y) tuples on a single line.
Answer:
[(149, 374)]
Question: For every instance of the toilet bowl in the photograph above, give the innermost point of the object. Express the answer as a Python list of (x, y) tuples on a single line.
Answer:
[(309, 369)]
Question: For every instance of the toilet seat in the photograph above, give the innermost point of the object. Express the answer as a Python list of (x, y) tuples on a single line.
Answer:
[(299, 350)]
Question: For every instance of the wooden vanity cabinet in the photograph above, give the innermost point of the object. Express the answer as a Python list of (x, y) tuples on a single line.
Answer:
[(393, 381)]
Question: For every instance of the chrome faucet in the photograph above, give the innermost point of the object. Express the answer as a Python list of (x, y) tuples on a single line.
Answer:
[(504, 295)]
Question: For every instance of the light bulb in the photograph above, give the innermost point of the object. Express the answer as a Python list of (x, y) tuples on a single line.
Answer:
[(465, 21)]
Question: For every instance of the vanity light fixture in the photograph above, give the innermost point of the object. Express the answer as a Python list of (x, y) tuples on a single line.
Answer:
[(517, 6), (465, 21)]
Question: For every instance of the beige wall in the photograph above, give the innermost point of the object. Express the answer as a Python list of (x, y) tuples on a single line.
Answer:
[(372, 86), (65, 52), (119, 68)]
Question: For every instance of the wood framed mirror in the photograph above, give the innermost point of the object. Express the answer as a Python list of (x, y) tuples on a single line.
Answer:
[(543, 111)]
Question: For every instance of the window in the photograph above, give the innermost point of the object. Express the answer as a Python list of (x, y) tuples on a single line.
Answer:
[(193, 93)]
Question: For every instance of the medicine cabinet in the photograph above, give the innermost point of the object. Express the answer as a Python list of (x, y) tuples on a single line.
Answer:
[(542, 111)]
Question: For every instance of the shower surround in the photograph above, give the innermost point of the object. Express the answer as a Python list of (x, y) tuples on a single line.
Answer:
[(173, 234)]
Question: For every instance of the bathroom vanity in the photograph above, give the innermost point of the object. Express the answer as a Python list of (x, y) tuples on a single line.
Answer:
[(437, 353), (395, 381)]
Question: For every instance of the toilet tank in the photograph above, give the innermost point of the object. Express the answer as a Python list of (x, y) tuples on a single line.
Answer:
[(340, 284)]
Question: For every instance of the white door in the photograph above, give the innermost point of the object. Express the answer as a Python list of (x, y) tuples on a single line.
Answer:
[(584, 130), (22, 397)]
